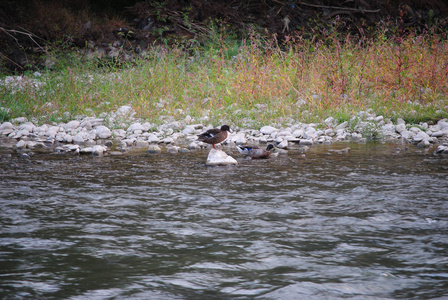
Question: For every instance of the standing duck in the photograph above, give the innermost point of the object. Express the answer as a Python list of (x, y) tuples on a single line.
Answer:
[(214, 136), (255, 151)]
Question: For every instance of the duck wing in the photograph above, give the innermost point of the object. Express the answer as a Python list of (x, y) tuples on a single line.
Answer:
[(208, 134)]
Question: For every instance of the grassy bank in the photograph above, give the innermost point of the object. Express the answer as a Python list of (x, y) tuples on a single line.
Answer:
[(250, 83)]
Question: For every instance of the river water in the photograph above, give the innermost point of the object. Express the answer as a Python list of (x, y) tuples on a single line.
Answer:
[(368, 224)]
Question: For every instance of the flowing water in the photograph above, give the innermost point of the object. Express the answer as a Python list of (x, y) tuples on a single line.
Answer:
[(368, 224)]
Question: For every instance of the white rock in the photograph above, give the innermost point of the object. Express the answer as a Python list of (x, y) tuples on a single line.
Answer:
[(356, 136), (141, 143), (305, 142), (218, 157), (439, 133), (407, 134), (80, 138), (400, 121), (41, 130), (87, 125), (329, 132), (21, 144), (400, 127), (19, 120), (98, 150), (27, 126), (414, 129), (147, 126), (421, 136), (71, 125), (189, 130), (267, 130), (52, 131), (298, 133), (35, 145), (21, 133), (379, 119), (153, 149), (172, 149), (283, 144), (102, 132), (442, 149), (136, 126), (6, 125), (443, 124), (342, 125), (239, 138), (194, 146), (152, 138), (168, 140)]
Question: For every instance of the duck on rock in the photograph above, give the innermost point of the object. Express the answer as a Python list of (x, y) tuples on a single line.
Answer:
[(214, 136), (255, 151)]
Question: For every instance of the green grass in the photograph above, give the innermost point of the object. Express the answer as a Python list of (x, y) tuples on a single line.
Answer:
[(251, 83)]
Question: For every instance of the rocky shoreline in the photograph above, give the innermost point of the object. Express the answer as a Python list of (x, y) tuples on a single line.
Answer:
[(102, 136)]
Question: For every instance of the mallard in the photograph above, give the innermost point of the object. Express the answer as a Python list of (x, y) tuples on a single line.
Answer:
[(255, 151), (214, 136)]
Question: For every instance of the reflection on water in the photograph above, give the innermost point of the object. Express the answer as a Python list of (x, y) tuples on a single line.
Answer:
[(370, 224)]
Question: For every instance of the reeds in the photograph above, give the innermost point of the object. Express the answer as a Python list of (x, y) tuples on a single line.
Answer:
[(253, 82)]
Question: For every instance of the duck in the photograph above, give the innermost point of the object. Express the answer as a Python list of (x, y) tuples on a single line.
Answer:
[(214, 136), (255, 151)]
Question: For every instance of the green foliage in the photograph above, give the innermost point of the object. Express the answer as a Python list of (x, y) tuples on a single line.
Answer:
[(250, 82)]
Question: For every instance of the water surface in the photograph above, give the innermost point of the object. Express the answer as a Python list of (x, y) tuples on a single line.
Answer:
[(369, 224)]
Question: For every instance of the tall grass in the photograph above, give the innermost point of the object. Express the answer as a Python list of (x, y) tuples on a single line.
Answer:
[(253, 82)]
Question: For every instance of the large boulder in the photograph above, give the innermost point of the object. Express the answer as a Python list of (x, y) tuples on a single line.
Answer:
[(218, 157)]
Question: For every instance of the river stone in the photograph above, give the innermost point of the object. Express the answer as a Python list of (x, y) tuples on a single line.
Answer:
[(421, 136), (239, 138), (283, 144), (141, 143), (71, 125), (27, 126), (6, 125), (98, 150), (342, 125), (439, 134), (305, 142), (19, 120), (86, 124), (172, 149), (189, 130), (152, 149), (379, 119), (21, 133), (329, 132), (135, 127), (442, 149), (414, 129), (80, 138), (168, 140), (194, 146), (152, 138), (35, 145), (103, 132), (21, 144), (218, 157), (401, 127), (298, 133), (267, 130), (443, 124), (407, 134), (52, 131)]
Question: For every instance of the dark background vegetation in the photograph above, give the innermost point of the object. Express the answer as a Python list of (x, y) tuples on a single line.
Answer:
[(31, 30)]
